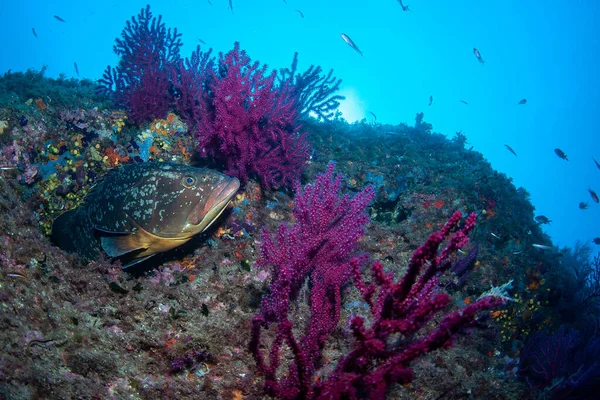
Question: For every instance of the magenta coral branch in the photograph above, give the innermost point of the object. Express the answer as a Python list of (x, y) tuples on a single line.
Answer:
[(250, 125), (373, 365), (318, 244), (140, 82)]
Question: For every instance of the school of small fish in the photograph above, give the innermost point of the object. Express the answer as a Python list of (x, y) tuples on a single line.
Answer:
[(350, 42)]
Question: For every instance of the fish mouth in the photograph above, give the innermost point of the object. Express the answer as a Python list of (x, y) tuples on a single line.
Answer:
[(205, 214)]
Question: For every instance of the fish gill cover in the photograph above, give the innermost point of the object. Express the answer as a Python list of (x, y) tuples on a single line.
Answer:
[(335, 288)]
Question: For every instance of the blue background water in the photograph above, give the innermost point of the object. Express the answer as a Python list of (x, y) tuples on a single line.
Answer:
[(545, 51)]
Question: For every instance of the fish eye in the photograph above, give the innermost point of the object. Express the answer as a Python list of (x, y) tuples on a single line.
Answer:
[(188, 181)]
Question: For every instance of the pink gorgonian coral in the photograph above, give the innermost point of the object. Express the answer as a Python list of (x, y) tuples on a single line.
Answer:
[(251, 125)]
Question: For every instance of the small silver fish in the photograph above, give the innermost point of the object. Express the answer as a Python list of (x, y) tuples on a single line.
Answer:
[(541, 246), (351, 43), (494, 235), (478, 55)]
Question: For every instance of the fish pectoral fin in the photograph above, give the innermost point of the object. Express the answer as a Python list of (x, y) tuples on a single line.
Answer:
[(116, 246)]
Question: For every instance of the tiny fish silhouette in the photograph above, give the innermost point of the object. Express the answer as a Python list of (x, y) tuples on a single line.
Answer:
[(478, 55), (464, 102), (542, 219), (76, 68), (523, 101), (34, 32), (430, 100), (510, 149), (300, 12), (594, 195), (56, 17), (404, 8), (351, 43), (561, 154)]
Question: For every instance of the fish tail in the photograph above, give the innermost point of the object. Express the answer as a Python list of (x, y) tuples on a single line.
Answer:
[(73, 233), (62, 231)]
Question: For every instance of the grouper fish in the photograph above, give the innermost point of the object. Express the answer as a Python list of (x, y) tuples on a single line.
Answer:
[(139, 210)]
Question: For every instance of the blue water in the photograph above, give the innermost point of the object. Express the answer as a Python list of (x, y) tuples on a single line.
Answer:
[(544, 51)]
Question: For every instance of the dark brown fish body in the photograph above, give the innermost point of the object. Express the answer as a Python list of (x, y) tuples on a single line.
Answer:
[(596, 240), (139, 210), (561, 154)]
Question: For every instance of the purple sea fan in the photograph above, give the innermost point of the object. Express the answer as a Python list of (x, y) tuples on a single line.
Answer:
[(191, 82), (250, 125), (314, 93), (325, 233), (404, 307), (140, 82), (377, 358), (319, 246)]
